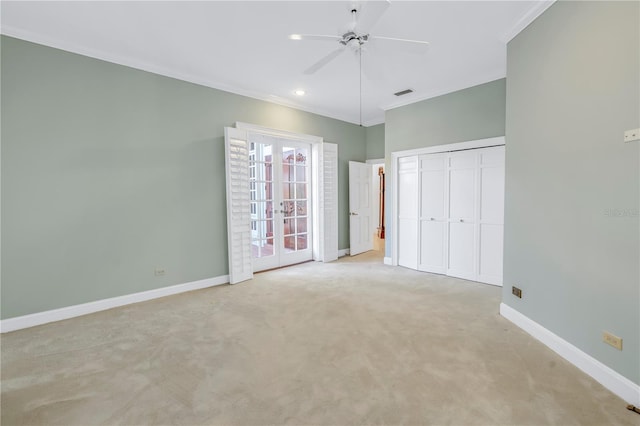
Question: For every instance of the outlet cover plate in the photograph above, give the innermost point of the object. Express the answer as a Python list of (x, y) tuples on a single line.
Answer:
[(632, 135), (612, 340)]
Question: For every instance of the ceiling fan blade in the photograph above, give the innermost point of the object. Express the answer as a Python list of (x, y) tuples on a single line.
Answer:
[(314, 37), (369, 14), (408, 45), (324, 61)]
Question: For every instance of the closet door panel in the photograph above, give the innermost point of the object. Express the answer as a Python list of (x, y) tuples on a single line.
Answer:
[(408, 243), (462, 194), (463, 207), (462, 250), (408, 195), (492, 194), (432, 247), (432, 194), (491, 254), (491, 216), (408, 212), (433, 204)]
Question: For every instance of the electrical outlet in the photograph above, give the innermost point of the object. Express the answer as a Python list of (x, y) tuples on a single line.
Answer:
[(516, 292), (632, 135), (612, 340), (159, 272)]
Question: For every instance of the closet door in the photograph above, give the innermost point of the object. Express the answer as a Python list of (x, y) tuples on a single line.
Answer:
[(491, 215), (462, 215), (408, 212), (433, 213)]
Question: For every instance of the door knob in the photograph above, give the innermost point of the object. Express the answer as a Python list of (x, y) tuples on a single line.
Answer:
[(353, 214), (461, 220), (432, 218)]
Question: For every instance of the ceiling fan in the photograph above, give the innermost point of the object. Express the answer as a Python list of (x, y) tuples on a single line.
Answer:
[(363, 19)]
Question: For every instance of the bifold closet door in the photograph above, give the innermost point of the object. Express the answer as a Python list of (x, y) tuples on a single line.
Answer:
[(462, 250), (408, 212), (491, 215), (433, 213)]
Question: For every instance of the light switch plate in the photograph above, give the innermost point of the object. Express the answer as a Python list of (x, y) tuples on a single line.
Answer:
[(632, 135)]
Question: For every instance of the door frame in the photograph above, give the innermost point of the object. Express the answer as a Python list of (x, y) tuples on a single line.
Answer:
[(316, 146), (393, 175)]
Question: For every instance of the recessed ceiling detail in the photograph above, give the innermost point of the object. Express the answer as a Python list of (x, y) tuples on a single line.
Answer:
[(244, 47)]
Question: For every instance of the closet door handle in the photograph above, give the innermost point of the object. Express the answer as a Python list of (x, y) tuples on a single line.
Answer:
[(461, 220), (432, 218), (353, 214)]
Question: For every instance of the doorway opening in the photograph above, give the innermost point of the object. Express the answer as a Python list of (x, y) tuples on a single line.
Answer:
[(378, 213), (366, 206)]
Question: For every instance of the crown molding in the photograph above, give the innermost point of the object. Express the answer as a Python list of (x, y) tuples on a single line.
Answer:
[(529, 16)]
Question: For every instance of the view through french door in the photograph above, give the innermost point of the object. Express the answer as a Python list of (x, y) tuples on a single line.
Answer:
[(280, 201)]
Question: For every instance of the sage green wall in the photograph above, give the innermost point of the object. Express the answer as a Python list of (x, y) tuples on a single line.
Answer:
[(572, 186), (110, 172), (375, 142), (474, 113), (470, 114)]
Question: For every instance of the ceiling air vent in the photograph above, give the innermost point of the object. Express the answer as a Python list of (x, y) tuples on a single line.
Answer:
[(403, 92)]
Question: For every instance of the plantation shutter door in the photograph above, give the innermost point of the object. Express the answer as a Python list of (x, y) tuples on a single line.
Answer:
[(238, 205), (329, 194)]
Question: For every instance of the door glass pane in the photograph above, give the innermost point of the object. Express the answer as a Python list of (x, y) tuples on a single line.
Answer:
[(289, 207), (302, 242), (301, 208), (289, 244), (301, 226), (289, 226), (287, 190), (301, 174), (301, 190), (296, 192), (301, 156)]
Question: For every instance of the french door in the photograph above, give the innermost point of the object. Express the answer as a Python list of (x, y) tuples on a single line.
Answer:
[(280, 201)]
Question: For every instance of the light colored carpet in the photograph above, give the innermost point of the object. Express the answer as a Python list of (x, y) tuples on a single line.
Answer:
[(347, 343)]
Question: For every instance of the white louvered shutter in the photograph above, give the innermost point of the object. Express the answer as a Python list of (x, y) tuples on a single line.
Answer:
[(238, 205), (329, 203)]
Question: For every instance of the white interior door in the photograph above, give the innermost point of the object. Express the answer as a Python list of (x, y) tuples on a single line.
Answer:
[(433, 213), (360, 228), (280, 201), (462, 215), (408, 196)]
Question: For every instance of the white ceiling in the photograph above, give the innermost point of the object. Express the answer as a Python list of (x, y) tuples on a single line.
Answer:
[(243, 47)]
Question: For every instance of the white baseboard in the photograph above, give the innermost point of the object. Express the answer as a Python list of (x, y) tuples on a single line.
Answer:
[(610, 379), (387, 261), (39, 318), (343, 252)]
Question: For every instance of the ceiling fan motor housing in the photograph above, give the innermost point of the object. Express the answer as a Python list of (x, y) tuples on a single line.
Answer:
[(350, 37)]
